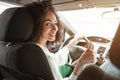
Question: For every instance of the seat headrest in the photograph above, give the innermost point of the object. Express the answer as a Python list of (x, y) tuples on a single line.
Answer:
[(114, 52), (16, 24)]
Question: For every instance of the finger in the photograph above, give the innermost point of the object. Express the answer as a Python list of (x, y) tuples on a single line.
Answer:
[(97, 55), (93, 59), (90, 46)]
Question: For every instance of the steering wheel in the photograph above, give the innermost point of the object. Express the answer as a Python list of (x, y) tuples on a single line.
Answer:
[(75, 51)]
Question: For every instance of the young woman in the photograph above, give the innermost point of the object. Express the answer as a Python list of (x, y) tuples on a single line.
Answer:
[(47, 31)]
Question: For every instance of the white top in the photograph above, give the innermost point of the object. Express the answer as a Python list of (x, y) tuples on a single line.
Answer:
[(55, 60)]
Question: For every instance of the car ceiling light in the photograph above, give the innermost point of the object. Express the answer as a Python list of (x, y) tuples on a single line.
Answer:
[(80, 5)]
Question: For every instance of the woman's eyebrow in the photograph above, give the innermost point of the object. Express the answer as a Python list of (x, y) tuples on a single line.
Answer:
[(46, 20)]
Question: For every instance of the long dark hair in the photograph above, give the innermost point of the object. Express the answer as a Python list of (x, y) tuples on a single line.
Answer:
[(39, 10)]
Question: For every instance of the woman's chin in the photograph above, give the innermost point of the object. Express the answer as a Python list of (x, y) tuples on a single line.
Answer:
[(53, 39)]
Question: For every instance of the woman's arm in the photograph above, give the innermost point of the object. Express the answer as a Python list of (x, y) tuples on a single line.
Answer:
[(62, 54)]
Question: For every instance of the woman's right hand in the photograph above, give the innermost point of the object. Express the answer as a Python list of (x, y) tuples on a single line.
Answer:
[(87, 57)]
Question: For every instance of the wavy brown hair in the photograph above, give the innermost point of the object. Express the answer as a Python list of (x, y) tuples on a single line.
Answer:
[(38, 11)]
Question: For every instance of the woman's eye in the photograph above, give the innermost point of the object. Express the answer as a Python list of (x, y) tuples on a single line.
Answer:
[(48, 24)]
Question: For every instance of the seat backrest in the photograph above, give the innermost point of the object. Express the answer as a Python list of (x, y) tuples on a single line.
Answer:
[(114, 52), (93, 72), (11, 74), (16, 25)]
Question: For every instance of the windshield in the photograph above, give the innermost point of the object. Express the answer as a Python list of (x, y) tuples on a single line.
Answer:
[(90, 22)]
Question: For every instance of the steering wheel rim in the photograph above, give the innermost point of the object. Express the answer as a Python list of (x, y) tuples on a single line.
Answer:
[(75, 51)]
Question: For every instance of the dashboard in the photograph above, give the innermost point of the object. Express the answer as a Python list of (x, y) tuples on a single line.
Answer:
[(98, 39), (101, 47)]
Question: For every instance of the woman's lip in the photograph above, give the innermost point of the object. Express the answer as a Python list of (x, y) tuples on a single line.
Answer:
[(52, 34)]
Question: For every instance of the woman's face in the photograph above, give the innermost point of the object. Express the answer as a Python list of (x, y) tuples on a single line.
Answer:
[(50, 27)]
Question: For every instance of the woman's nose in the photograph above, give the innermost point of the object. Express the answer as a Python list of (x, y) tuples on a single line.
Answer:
[(55, 27)]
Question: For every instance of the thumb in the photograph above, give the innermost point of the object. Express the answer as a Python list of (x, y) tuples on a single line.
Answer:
[(90, 46)]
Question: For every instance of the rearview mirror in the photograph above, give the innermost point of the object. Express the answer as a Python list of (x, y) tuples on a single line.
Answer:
[(112, 15)]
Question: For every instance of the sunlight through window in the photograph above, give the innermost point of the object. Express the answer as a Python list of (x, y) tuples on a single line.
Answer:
[(4, 6), (90, 22)]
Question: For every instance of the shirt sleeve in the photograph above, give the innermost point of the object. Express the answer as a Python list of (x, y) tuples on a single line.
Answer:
[(72, 77), (62, 55)]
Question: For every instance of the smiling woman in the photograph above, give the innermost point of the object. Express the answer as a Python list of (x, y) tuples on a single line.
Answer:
[(84, 17)]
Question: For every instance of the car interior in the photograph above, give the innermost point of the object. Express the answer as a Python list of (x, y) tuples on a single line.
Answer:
[(97, 20), (93, 72)]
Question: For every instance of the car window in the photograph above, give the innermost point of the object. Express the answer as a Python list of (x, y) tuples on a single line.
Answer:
[(4, 6), (90, 22)]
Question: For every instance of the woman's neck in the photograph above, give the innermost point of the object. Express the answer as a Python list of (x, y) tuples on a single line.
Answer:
[(42, 42)]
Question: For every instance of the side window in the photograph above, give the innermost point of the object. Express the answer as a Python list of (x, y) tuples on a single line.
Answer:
[(4, 6)]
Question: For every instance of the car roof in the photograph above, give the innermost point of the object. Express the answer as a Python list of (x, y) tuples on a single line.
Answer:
[(76, 4)]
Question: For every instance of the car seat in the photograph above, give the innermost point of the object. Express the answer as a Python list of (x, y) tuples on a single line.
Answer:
[(17, 55), (93, 72), (7, 73)]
